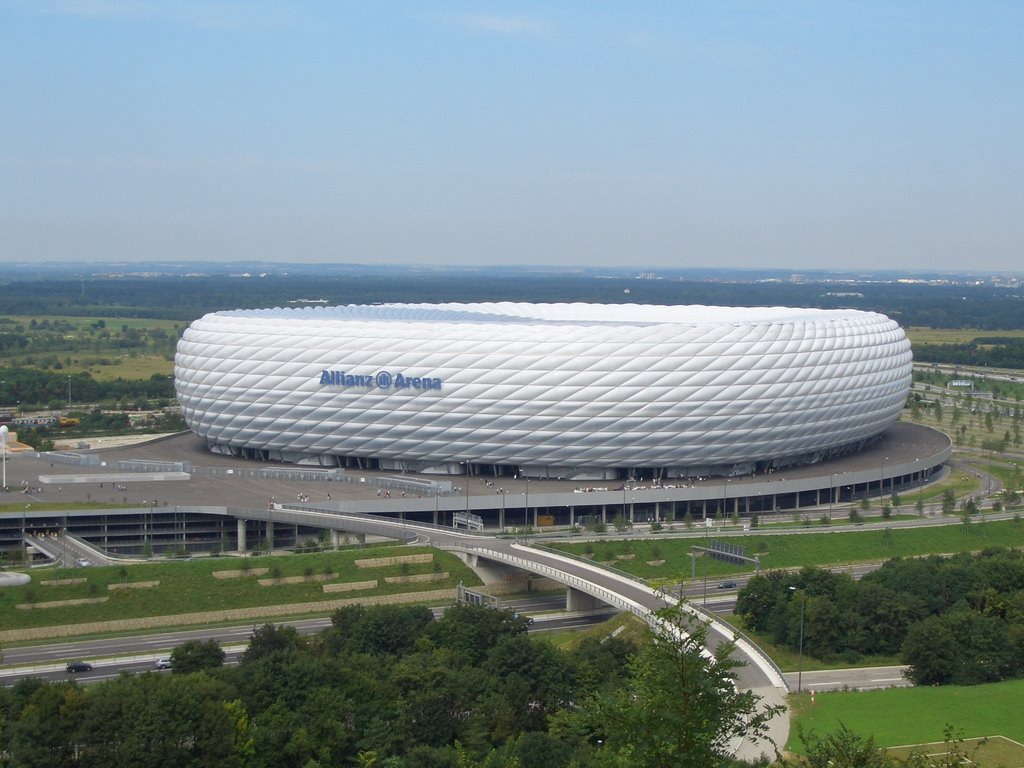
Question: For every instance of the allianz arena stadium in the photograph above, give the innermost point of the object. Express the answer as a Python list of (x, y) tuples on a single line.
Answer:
[(581, 391)]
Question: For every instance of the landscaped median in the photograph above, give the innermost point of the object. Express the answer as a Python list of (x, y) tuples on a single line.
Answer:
[(144, 596), (217, 617)]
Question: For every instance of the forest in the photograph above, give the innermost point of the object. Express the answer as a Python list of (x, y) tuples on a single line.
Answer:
[(955, 620), (185, 298), (390, 687)]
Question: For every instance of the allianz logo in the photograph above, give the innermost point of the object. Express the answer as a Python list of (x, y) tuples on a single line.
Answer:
[(379, 380)]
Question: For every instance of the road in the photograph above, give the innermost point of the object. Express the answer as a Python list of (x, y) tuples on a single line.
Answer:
[(112, 655), (863, 678)]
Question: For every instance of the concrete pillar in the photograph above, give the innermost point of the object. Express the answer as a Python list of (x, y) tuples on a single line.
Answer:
[(241, 535), (270, 535), (361, 538), (335, 539), (581, 601)]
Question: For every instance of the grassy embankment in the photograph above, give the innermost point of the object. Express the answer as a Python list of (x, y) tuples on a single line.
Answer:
[(187, 587)]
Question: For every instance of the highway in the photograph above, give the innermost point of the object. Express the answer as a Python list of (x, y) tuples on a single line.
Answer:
[(134, 654)]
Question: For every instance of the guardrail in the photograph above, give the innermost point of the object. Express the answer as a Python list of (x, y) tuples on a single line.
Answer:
[(744, 643)]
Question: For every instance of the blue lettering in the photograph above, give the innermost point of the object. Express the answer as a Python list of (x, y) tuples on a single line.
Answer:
[(383, 380)]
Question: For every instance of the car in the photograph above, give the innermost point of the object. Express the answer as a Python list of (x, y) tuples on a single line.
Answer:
[(727, 585), (164, 663), (82, 562), (78, 666)]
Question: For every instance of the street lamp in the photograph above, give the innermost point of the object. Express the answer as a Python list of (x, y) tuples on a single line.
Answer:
[(800, 669), (526, 512), (831, 493), (3, 439)]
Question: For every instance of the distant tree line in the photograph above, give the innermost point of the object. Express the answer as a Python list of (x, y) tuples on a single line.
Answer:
[(34, 389), (957, 619), (995, 352), (186, 298)]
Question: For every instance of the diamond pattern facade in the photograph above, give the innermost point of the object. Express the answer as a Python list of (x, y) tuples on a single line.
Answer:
[(554, 389)]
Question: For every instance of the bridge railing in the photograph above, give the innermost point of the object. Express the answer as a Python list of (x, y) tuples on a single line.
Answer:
[(743, 642), (612, 598)]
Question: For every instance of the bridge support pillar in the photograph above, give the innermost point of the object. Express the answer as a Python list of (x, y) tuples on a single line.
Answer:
[(581, 601), (361, 538), (335, 539), (241, 535), (270, 535)]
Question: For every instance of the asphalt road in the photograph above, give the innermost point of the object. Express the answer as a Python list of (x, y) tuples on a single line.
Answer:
[(138, 653)]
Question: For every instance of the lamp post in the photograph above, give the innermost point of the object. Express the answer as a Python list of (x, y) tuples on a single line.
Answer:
[(831, 494), (800, 668), (152, 505), (706, 550), (3, 439), (526, 512)]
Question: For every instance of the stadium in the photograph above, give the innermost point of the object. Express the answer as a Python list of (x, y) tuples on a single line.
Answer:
[(570, 391)]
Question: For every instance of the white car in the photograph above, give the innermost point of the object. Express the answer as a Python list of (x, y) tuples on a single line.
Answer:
[(163, 663)]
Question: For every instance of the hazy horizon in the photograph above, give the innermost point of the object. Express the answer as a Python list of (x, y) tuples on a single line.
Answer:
[(791, 136)]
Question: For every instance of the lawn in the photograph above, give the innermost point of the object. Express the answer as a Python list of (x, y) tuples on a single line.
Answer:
[(919, 335), (189, 586), (655, 558), (903, 716)]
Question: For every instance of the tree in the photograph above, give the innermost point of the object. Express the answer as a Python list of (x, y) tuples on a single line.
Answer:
[(271, 638), (194, 655), (391, 629), (841, 748), (948, 501), (679, 707)]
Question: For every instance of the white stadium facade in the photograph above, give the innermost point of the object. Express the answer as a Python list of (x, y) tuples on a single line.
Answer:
[(571, 391)]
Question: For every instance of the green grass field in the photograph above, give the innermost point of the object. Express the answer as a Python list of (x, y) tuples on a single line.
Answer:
[(846, 545), (919, 335), (909, 716), (188, 586)]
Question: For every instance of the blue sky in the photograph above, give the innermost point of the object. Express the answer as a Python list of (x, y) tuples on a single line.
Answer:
[(791, 135)]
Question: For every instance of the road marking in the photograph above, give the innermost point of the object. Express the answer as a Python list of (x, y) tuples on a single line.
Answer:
[(888, 679)]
